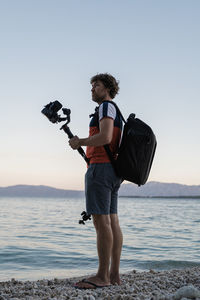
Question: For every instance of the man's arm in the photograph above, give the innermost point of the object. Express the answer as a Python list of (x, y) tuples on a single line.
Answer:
[(102, 138)]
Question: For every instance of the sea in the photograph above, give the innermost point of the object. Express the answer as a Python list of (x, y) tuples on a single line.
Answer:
[(41, 238)]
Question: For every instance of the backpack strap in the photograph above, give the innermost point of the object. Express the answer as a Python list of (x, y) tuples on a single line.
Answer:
[(106, 147), (110, 155), (117, 109)]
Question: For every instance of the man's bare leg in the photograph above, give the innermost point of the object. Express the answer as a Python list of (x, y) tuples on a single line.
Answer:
[(103, 228), (116, 250)]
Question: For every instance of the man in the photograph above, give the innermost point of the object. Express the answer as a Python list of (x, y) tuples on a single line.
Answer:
[(101, 182)]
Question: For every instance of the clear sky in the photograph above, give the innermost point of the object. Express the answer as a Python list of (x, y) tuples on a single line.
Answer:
[(50, 49)]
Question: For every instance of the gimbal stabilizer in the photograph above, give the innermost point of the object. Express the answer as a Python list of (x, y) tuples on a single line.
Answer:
[(51, 112)]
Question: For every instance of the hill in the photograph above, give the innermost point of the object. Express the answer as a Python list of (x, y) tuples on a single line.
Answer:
[(38, 191), (159, 189), (150, 189)]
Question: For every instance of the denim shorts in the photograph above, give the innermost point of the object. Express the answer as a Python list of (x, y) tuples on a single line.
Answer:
[(101, 189)]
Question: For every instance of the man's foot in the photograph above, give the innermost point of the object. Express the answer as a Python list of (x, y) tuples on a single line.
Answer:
[(115, 279), (91, 283)]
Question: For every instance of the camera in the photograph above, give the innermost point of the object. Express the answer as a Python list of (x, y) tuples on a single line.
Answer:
[(51, 112)]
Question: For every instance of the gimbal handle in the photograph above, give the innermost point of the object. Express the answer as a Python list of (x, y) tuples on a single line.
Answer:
[(70, 135)]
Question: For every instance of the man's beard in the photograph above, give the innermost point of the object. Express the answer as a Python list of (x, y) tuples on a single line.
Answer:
[(98, 99)]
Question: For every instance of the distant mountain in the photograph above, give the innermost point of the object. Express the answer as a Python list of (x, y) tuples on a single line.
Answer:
[(159, 189), (38, 191), (150, 189)]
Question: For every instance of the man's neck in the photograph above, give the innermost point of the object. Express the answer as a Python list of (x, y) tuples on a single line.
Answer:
[(106, 99)]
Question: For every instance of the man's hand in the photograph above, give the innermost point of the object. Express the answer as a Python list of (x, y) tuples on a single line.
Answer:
[(74, 142), (102, 138)]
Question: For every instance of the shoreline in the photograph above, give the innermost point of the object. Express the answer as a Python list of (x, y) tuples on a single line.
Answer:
[(154, 285)]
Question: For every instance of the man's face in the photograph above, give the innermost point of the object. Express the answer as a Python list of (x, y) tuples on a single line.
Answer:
[(99, 92)]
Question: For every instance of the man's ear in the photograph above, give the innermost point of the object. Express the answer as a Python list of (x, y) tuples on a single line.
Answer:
[(108, 91)]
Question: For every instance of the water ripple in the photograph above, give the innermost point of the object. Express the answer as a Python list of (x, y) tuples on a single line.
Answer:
[(42, 238)]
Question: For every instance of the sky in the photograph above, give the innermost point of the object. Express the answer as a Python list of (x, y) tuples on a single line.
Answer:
[(50, 49)]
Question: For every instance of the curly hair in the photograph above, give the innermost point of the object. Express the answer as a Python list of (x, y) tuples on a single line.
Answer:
[(109, 82)]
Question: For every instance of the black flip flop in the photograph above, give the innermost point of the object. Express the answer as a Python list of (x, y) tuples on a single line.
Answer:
[(94, 285)]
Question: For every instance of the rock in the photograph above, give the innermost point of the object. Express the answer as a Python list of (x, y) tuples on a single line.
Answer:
[(152, 271), (89, 297), (131, 289), (77, 298), (118, 297), (187, 292), (14, 281)]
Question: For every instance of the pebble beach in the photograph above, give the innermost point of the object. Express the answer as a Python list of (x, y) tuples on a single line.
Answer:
[(153, 285)]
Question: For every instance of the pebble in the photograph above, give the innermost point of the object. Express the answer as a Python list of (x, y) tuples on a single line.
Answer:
[(152, 285), (189, 292)]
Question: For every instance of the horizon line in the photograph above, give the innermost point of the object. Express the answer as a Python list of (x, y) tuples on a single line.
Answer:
[(152, 181)]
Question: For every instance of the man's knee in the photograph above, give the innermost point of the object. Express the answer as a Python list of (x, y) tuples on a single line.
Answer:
[(101, 221), (114, 222)]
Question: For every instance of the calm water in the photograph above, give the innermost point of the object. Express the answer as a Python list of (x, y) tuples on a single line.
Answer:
[(41, 238)]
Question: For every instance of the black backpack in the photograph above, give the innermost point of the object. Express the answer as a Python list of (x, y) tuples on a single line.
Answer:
[(136, 150)]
